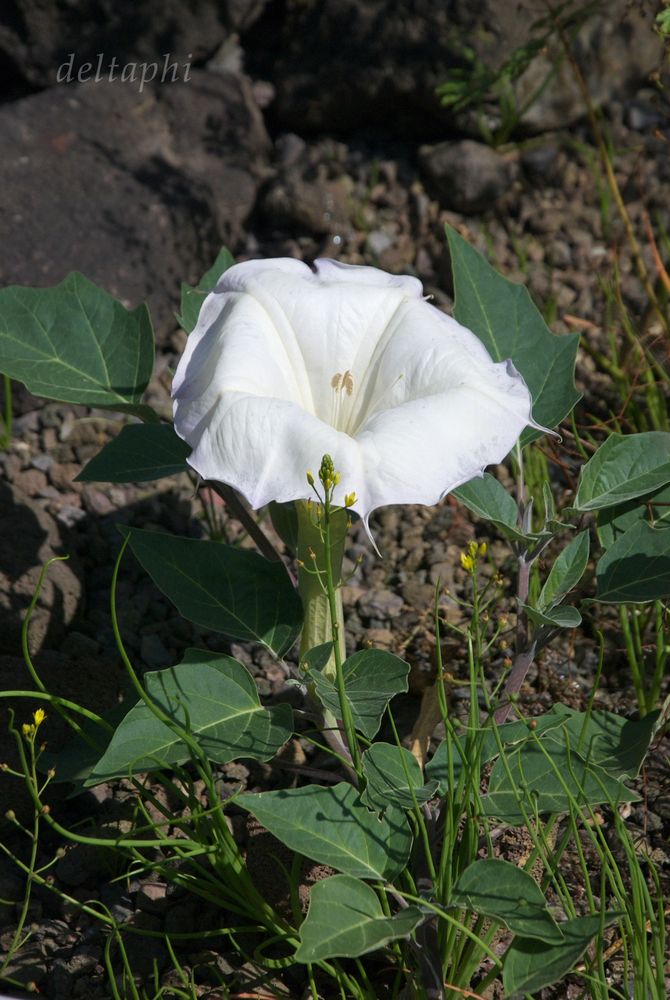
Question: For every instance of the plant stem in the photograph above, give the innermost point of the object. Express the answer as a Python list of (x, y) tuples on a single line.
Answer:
[(253, 529), (319, 610)]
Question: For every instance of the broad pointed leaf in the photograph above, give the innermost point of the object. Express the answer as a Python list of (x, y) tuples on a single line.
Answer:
[(212, 697), (76, 343), (654, 508), (332, 826), (394, 777), (565, 573), (624, 467), (564, 616), (141, 452), (193, 298), (529, 964), (487, 498), (229, 590), (546, 778), (636, 567), (345, 919), (371, 678), (616, 744), (510, 326), (499, 889)]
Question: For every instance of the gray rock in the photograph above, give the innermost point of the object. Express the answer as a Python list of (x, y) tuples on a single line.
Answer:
[(344, 64), (28, 965), (30, 536), (36, 37), (379, 604), (136, 190), (466, 176)]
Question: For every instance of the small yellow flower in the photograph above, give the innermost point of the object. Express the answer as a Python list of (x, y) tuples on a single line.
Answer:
[(467, 562), (483, 548), (28, 730), (472, 548), (39, 716), (350, 500), (310, 478)]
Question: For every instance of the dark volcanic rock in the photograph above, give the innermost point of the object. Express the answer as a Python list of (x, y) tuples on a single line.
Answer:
[(343, 64), (466, 176), (30, 537), (36, 37), (136, 190)]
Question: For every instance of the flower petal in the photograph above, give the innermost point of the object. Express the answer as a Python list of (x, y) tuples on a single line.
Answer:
[(422, 449), (264, 447)]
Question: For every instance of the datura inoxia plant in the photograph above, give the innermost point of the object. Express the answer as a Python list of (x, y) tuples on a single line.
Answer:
[(323, 393)]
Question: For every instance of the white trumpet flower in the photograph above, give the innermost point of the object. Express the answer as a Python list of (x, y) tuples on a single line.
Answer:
[(287, 364)]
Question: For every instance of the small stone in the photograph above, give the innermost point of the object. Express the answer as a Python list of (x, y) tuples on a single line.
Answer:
[(377, 242), (76, 644), (62, 475), (97, 502), (382, 604), (466, 176), (380, 638), (69, 516), (153, 651), (151, 897), (42, 462)]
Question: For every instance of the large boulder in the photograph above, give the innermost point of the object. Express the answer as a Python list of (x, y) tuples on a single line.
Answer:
[(36, 38), (346, 64), (135, 189)]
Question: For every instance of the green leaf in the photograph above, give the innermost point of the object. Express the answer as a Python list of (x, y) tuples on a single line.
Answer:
[(371, 678), (482, 746), (211, 696), (564, 616), (345, 919), (141, 452), (566, 572), (529, 964), (284, 519), (392, 773), (333, 827), (636, 568), (437, 768), (193, 298), (76, 343), (499, 889), (74, 762), (624, 467), (546, 778), (317, 657), (229, 590), (504, 318), (616, 744), (654, 508), (486, 498)]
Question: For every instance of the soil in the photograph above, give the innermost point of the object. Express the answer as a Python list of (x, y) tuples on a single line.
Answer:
[(539, 211)]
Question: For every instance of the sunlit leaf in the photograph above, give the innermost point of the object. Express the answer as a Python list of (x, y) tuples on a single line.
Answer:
[(504, 318), (332, 826), (76, 343), (345, 919), (213, 698)]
